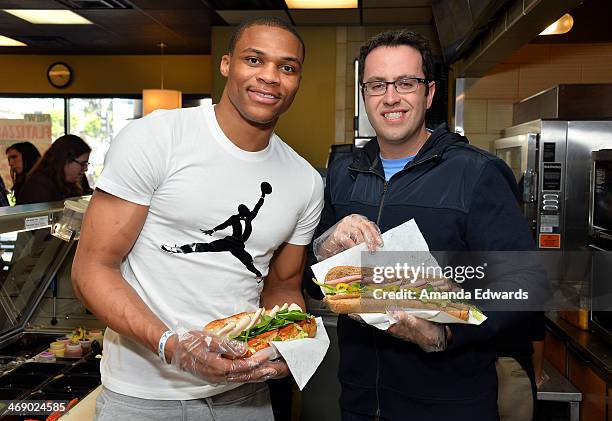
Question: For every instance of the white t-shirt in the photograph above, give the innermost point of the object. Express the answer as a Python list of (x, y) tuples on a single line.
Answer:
[(193, 178)]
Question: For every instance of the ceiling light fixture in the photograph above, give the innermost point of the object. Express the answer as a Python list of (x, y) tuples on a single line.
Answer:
[(321, 4), (561, 26), (161, 99), (10, 42), (49, 17)]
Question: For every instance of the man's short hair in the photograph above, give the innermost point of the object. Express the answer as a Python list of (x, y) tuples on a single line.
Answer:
[(397, 38), (270, 21)]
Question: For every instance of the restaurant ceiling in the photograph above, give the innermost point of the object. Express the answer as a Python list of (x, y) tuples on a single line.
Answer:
[(137, 26)]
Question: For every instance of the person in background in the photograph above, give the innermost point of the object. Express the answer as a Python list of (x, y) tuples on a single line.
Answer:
[(59, 174), (21, 158)]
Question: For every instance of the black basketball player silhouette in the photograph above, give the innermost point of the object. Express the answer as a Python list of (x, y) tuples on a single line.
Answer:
[(233, 243)]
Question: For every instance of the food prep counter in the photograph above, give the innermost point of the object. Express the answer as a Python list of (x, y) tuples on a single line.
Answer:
[(37, 306)]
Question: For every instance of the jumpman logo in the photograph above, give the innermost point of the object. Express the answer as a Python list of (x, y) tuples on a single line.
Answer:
[(233, 243)]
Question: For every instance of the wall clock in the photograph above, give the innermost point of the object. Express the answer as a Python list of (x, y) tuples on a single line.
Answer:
[(59, 75)]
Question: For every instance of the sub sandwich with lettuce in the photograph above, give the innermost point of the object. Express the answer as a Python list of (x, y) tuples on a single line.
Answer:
[(350, 289), (259, 328)]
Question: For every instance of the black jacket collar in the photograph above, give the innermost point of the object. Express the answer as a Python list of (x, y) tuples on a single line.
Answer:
[(368, 158)]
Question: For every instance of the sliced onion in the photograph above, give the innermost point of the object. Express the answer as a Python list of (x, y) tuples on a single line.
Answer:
[(255, 318), (240, 325), (273, 312), (295, 307), (226, 329)]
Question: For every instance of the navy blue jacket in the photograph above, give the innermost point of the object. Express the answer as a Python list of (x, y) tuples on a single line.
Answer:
[(463, 199)]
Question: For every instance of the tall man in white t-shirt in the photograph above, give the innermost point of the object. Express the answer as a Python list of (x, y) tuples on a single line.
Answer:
[(168, 178)]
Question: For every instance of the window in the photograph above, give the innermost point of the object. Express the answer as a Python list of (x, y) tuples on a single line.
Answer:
[(20, 108), (98, 121), (35, 120)]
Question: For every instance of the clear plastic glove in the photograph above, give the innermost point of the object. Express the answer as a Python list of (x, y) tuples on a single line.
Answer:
[(346, 233), (275, 362), (430, 336), (217, 359)]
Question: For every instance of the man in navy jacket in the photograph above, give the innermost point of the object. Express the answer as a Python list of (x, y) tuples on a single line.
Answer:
[(463, 199)]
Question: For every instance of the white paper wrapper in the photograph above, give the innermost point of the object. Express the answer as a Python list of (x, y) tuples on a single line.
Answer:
[(404, 238), (303, 356), (383, 322)]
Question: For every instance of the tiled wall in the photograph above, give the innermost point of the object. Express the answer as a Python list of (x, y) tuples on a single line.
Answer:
[(532, 69)]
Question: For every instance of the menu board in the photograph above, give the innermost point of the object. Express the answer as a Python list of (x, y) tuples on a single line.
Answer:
[(35, 129)]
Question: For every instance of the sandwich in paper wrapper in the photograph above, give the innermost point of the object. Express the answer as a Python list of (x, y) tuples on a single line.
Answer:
[(351, 288), (296, 336)]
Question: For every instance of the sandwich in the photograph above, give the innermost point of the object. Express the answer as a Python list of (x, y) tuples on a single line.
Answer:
[(350, 289), (257, 329)]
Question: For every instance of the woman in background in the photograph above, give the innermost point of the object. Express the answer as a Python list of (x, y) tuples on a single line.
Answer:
[(21, 159), (59, 174)]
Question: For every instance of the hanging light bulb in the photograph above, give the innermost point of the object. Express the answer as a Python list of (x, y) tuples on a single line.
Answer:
[(164, 99), (561, 26)]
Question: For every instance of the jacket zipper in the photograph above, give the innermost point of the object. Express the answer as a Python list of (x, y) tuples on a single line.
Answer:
[(380, 207), (382, 202), (386, 184)]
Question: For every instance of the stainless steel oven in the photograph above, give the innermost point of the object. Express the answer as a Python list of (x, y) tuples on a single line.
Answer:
[(549, 148), (551, 160), (520, 152)]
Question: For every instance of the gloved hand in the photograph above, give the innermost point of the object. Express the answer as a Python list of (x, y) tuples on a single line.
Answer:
[(217, 359), (430, 336), (348, 232)]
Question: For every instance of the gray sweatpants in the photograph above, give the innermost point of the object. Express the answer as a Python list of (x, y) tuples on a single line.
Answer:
[(247, 402), (514, 397)]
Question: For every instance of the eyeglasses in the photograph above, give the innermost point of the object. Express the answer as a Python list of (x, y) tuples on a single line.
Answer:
[(404, 85), (83, 164)]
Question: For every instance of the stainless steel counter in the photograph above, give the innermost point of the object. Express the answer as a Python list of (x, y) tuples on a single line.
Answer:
[(558, 388)]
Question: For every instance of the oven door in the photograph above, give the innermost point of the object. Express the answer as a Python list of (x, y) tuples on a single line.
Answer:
[(600, 194), (600, 320), (520, 153)]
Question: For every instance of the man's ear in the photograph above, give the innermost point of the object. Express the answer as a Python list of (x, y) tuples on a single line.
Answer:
[(430, 94), (225, 65)]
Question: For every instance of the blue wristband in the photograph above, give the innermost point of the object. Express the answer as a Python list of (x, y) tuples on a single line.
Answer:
[(162, 345)]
